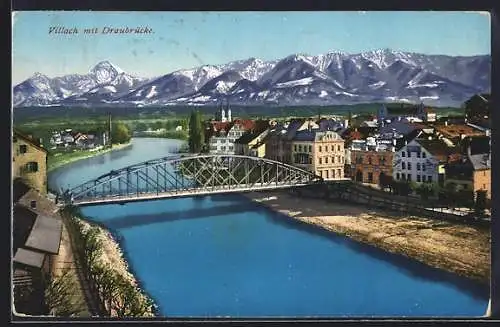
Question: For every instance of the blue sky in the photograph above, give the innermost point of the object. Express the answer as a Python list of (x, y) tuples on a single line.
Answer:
[(189, 39)]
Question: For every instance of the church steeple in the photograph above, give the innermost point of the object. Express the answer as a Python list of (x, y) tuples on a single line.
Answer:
[(228, 111)]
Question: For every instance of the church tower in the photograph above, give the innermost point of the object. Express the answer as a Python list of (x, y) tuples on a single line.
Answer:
[(228, 110)]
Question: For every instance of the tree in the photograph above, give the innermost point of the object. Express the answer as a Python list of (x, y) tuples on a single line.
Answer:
[(426, 190), (481, 200), (141, 126), (157, 125), (59, 297), (120, 133), (196, 136)]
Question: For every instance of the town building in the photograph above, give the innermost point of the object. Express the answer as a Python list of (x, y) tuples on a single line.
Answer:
[(279, 142), (422, 160), (36, 239), (457, 132), (411, 112), (371, 166), (470, 170), (222, 135), (29, 161), (320, 152), (477, 108), (252, 143)]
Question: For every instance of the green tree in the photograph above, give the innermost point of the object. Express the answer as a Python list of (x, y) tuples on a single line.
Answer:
[(59, 297), (158, 124), (120, 133), (140, 126), (426, 190), (481, 200), (196, 132)]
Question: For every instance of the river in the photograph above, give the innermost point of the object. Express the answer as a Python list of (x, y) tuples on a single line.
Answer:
[(226, 256)]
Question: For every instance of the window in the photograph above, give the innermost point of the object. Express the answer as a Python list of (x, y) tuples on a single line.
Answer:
[(484, 186), (403, 154), (397, 176), (418, 178), (339, 173), (369, 160), (320, 148), (32, 167), (408, 154), (423, 178), (408, 177), (409, 165), (418, 154), (231, 148), (295, 148), (403, 165), (338, 148), (403, 176), (326, 171), (332, 147), (320, 161), (333, 173), (418, 166), (424, 155), (310, 160), (423, 167), (310, 148), (429, 179), (23, 148), (14, 139), (326, 160), (370, 177), (223, 148), (300, 147)]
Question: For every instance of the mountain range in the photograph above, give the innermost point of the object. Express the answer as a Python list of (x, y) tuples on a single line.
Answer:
[(328, 79)]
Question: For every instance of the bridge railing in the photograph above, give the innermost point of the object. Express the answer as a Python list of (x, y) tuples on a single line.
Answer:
[(192, 173)]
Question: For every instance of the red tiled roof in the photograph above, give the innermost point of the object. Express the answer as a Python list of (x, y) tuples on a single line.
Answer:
[(246, 124)]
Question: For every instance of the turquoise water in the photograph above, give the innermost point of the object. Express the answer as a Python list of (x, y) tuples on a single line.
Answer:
[(225, 256)]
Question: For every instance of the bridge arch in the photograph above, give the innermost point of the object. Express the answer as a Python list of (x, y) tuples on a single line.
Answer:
[(187, 175)]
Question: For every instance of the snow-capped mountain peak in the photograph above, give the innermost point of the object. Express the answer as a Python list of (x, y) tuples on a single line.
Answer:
[(335, 77)]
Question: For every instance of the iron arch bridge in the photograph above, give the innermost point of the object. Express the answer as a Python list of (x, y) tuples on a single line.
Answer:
[(189, 175)]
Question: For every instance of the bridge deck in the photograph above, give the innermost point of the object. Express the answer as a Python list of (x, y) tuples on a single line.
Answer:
[(183, 193)]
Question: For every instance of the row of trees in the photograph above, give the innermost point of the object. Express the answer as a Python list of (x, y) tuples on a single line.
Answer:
[(117, 296), (448, 195)]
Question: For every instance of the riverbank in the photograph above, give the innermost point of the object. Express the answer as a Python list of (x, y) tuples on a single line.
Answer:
[(67, 158), (112, 257), (460, 249)]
